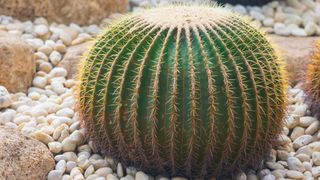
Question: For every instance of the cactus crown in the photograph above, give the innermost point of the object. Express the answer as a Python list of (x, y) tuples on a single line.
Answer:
[(183, 90)]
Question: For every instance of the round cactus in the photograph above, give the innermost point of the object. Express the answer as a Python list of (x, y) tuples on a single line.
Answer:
[(313, 76), (183, 90)]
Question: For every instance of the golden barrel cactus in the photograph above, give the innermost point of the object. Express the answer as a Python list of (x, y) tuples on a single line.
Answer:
[(312, 76), (183, 90)]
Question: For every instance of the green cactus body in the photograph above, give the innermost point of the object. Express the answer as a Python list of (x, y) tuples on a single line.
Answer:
[(185, 90)]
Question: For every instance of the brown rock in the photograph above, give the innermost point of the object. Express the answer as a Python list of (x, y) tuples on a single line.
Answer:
[(63, 11), (296, 52), (73, 57), (22, 157), (17, 63)]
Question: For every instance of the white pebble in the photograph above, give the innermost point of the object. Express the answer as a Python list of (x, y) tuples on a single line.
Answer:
[(120, 172), (45, 67), (55, 147), (311, 28), (54, 175), (298, 32), (61, 166), (67, 112), (302, 141), (104, 171), (58, 72), (68, 145), (70, 165), (89, 171), (39, 82), (294, 174), (7, 116), (313, 128), (41, 30), (316, 171), (55, 57), (5, 98), (306, 121), (58, 87), (316, 158), (295, 164), (43, 137), (141, 176)]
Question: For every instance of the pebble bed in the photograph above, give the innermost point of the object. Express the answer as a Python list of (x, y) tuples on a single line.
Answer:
[(47, 111)]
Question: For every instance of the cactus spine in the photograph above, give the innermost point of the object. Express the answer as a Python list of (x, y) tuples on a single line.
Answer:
[(184, 90)]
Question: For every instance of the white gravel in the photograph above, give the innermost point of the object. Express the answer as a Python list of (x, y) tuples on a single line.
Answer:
[(47, 112)]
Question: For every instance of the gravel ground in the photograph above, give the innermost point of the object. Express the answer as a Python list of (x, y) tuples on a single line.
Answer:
[(47, 111)]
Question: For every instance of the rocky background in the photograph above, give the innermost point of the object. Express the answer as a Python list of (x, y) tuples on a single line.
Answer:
[(41, 136)]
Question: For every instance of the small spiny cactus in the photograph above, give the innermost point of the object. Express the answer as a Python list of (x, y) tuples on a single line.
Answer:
[(312, 77), (184, 90)]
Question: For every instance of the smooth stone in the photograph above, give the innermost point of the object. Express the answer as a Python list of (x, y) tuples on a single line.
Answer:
[(268, 177), (65, 112), (39, 82), (83, 37), (120, 172), (295, 164), (59, 47), (252, 177), (45, 49), (257, 15), (304, 150), (316, 158), (306, 121), (55, 147), (68, 145), (302, 141), (129, 177), (61, 166), (89, 171), (303, 157), (279, 173), (43, 137), (45, 67), (141, 176), (268, 22), (54, 175), (316, 171), (300, 110), (7, 116), (307, 166), (294, 174), (311, 28), (58, 72), (71, 156), (274, 165), (104, 171), (313, 128), (55, 57), (297, 132), (240, 9), (5, 98), (58, 87), (41, 30), (298, 32), (70, 165)]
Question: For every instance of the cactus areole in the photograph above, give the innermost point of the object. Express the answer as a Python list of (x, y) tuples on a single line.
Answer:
[(186, 90)]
